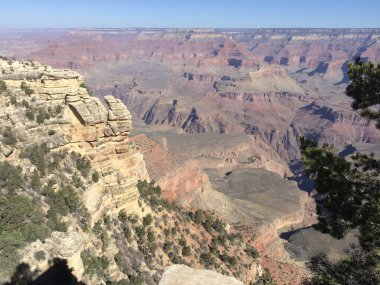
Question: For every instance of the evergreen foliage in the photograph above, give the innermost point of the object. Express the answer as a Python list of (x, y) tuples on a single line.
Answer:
[(349, 191)]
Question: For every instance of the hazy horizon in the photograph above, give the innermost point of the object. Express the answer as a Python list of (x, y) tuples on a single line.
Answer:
[(149, 14)]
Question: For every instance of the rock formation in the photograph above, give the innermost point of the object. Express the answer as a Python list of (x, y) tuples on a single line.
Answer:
[(224, 81), (176, 175), (56, 135), (85, 126), (184, 275)]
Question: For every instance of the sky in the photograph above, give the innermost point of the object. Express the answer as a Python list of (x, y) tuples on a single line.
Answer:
[(21, 14)]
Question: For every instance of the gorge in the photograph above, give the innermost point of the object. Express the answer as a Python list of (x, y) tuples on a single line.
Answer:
[(212, 117)]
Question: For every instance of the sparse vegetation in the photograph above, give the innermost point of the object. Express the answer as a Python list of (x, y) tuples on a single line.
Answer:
[(11, 177), (94, 265), (147, 220), (3, 86), (40, 255), (95, 176), (21, 222), (9, 138), (83, 85), (82, 164), (252, 252), (28, 91), (37, 156)]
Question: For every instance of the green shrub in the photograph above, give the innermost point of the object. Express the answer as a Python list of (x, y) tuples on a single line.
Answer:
[(207, 258), (82, 164), (105, 240), (198, 216), (167, 246), (13, 100), (40, 255), (42, 115), (51, 132), (97, 229), (140, 232), (137, 280), (64, 201), (232, 261), (37, 156), (11, 177), (94, 265), (30, 113), (252, 252), (123, 217), (28, 91), (35, 180), (95, 177), (207, 223), (83, 85), (123, 267), (3, 86), (218, 225), (8, 137), (147, 220), (25, 103), (167, 232), (107, 220), (77, 181), (54, 221), (186, 251), (150, 237), (127, 233), (21, 222)]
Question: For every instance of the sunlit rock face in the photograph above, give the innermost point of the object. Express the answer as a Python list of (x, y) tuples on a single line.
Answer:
[(83, 125)]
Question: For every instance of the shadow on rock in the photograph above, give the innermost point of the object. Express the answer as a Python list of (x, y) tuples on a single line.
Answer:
[(59, 273), (304, 183)]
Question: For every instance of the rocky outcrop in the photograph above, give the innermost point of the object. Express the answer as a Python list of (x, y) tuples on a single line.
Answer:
[(88, 127), (62, 245), (184, 275), (176, 174), (70, 120)]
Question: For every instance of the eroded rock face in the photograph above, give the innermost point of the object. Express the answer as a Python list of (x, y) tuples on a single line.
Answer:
[(85, 126), (255, 82), (64, 245), (321, 50), (176, 174), (184, 275), (70, 120)]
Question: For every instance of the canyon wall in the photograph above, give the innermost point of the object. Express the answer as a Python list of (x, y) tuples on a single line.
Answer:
[(321, 50), (84, 126), (175, 174), (50, 119), (274, 84)]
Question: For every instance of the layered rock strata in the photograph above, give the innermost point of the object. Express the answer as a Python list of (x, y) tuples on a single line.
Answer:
[(82, 124), (176, 174)]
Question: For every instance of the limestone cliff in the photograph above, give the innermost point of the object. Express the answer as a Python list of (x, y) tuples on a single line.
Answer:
[(85, 126), (72, 121)]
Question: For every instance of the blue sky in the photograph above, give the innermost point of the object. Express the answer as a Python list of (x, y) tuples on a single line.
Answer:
[(16, 14)]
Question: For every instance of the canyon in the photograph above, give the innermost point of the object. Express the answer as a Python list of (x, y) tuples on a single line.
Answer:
[(54, 135), (217, 116)]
